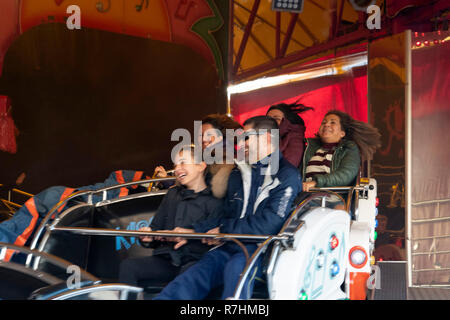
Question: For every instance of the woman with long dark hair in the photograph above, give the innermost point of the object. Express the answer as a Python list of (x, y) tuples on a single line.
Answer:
[(292, 129), (333, 158), (213, 134)]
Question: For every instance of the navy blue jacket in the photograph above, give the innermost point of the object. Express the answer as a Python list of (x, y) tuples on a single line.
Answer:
[(256, 203)]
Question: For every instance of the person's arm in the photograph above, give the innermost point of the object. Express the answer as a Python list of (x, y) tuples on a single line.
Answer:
[(345, 174)]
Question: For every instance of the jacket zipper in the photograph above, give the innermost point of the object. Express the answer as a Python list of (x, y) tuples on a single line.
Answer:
[(304, 156)]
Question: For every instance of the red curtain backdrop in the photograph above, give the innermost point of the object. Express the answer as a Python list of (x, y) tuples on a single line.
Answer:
[(348, 94), (430, 174)]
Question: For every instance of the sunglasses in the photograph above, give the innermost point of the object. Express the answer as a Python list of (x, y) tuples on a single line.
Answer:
[(247, 134)]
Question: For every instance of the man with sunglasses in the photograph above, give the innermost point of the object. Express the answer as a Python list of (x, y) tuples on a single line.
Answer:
[(259, 199)]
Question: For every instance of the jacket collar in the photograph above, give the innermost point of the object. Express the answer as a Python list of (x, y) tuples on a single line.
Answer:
[(318, 143), (190, 194), (270, 181)]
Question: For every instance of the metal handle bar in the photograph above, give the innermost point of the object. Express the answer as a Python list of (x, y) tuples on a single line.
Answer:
[(193, 235), (56, 261), (340, 188), (125, 289), (89, 193), (132, 183)]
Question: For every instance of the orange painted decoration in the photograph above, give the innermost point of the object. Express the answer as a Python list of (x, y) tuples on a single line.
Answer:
[(358, 285), (163, 20)]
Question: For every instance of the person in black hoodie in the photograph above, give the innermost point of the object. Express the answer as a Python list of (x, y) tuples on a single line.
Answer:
[(188, 202), (292, 129)]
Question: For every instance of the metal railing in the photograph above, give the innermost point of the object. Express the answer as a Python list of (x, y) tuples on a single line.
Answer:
[(54, 260), (9, 203), (89, 194), (122, 288)]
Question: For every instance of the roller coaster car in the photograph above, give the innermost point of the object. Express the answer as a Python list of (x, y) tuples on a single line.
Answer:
[(20, 282), (322, 252)]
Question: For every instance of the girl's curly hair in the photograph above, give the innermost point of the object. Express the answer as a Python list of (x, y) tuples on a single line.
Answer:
[(367, 137)]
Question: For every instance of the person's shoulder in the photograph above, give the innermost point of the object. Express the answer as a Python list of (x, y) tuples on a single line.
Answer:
[(350, 144), (212, 201), (173, 190)]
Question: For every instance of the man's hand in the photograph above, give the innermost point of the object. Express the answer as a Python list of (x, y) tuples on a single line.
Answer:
[(211, 241), (308, 185), (181, 241), (160, 172), (146, 238)]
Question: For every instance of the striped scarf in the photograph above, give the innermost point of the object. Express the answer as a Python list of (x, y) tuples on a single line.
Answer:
[(320, 162)]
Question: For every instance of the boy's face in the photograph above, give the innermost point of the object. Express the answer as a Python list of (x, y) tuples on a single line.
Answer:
[(186, 171)]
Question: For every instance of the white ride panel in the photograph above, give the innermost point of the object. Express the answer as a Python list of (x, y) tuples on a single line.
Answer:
[(315, 267), (362, 238)]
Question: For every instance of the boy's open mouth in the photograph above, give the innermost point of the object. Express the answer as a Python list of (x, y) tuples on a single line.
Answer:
[(181, 176)]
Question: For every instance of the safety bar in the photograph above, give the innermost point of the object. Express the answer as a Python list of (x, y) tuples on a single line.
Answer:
[(56, 261), (299, 207), (123, 288), (132, 183), (236, 238), (348, 189), (39, 275), (166, 234), (359, 187), (250, 263)]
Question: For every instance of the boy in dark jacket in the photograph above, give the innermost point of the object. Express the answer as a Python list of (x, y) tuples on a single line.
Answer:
[(188, 202), (258, 201)]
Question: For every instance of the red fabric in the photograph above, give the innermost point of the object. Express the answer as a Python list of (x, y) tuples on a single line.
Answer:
[(431, 76), (395, 6), (348, 95), (7, 128)]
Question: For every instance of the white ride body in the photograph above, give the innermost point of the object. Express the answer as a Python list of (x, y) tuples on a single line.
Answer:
[(362, 231), (305, 270)]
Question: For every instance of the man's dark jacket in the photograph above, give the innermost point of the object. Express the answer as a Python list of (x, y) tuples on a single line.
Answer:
[(256, 203)]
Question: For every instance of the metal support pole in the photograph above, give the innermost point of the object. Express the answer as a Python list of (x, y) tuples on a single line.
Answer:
[(247, 31)]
